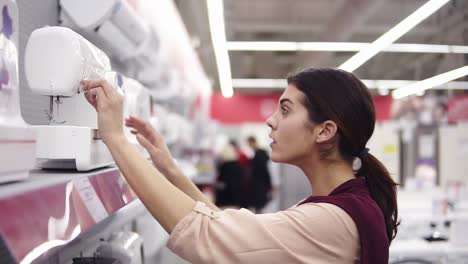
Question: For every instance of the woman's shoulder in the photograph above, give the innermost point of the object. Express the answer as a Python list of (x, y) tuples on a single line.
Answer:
[(313, 216), (324, 223), (322, 210)]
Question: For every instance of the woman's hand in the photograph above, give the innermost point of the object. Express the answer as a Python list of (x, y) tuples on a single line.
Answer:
[(109, 107), (153, 142)]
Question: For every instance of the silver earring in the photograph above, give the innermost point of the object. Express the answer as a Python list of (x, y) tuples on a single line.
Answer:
[(357, 163)]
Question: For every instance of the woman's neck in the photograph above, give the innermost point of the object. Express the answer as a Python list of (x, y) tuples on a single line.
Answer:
[(324, 177)]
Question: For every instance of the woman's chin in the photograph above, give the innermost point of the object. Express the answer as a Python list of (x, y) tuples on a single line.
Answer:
[(280, 158), (275, 157)]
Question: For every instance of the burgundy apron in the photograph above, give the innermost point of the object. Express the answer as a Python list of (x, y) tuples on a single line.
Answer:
[(354, 198)]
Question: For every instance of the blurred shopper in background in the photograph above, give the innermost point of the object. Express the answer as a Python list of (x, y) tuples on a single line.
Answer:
[(230, 176), (322, 124), (243, 159), (244, 162), (259, 179)]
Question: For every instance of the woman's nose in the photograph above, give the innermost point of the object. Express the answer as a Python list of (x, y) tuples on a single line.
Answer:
[(270, 122)]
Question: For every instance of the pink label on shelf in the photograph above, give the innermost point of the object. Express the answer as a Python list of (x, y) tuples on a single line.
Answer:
[(90, 199)]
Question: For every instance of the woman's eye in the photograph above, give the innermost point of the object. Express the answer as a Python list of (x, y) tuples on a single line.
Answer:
[(284, 110)]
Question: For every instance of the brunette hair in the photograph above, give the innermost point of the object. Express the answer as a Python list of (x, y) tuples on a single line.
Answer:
[(339, 96)]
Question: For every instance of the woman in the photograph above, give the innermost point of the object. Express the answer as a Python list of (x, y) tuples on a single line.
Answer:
[(229, 180), (259, 191), (323, 122)]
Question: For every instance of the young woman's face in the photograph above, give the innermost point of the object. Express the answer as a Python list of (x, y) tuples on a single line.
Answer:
[(292, 131)]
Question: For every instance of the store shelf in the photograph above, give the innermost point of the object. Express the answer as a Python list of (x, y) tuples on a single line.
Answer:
[(433, 252), (51, 208)]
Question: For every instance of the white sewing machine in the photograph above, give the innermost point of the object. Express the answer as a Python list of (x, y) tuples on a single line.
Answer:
[(17, 139), (56, 60), (114, 26)]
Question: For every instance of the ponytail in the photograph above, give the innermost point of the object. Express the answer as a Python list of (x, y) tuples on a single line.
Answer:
[(382, 189)]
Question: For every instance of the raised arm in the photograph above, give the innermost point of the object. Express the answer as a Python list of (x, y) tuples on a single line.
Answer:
[(153, 142), (165, 202)]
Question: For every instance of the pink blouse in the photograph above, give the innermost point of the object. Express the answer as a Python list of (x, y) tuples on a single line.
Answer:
[(309, 233)]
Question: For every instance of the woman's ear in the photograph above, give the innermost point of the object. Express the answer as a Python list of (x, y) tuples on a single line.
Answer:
[(326, 131)]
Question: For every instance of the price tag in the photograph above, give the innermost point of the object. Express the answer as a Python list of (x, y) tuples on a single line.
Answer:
[(90, 199)]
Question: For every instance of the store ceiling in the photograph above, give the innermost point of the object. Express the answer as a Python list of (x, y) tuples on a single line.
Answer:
[(327, 21)]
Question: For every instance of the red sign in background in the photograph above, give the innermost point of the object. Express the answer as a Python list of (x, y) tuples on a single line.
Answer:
[(256, 108), (242, 108), (458, 109)]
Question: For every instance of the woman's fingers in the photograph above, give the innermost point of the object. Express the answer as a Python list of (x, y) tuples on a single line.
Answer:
[(110, 92), (91, 99), (135, 122), (108, 89), (135, 127), (100, 98), (109, 107), (104, 90), (146, 129), (139, 125), (89, 84)]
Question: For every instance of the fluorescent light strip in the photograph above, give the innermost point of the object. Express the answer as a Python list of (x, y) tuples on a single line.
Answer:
[(371, 84), (426, 48), (393, 34), (430, 82), (218, 36), (341, 47), (259, 83)]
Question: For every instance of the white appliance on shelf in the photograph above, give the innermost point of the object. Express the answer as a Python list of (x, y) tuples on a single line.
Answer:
[(114, 26), (418, 250), (56, 60), (17, 139), (168, 85), (137, 102)]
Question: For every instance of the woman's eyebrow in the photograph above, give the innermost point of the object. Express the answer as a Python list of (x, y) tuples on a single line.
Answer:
[(284, 100)]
